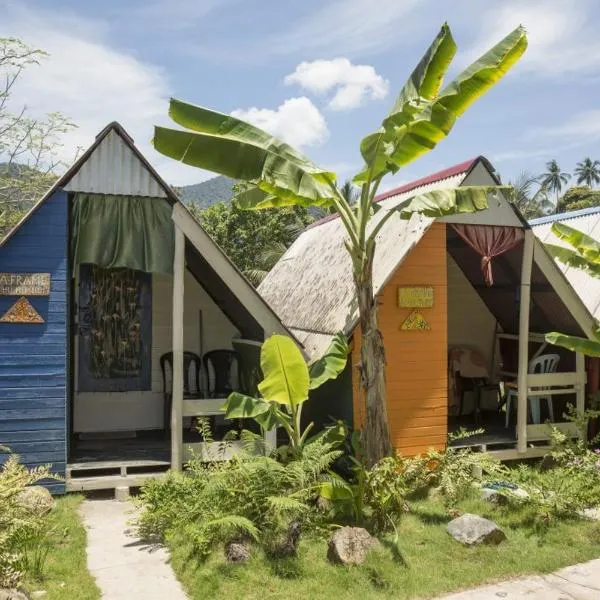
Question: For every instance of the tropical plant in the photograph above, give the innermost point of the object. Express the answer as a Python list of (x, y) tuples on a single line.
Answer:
[(285, 387), (253, 497), (22, 529), (584, 254), (588, 172), (531, 203), (554, 179), (277, 175)]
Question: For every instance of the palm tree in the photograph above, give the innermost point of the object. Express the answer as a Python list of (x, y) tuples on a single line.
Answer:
[(588, 171), (531, 204), (553, 179)]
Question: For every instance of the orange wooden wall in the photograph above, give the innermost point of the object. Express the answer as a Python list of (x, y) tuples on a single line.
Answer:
[(417, 364)]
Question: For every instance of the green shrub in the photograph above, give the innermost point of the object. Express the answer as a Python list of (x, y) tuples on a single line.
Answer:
[(23, 531), (248, 496)]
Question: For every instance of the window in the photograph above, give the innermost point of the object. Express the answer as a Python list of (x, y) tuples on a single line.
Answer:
[(115, 329)]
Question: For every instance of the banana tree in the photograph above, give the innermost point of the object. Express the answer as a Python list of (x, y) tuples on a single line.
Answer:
[(583, 254), (286, 386), (278, 175)]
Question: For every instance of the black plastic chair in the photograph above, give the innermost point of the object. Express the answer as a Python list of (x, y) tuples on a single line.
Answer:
[(222, 369), (192, 364)]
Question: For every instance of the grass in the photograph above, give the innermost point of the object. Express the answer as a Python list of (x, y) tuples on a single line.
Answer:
[(427, 561), (65, 575)]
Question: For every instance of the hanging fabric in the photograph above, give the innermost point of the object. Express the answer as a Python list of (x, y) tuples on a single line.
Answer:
[(123, 231), (489, 241)]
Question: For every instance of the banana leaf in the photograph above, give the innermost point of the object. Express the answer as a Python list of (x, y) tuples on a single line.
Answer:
[(416, 125), (587, 247), (573, 343), (240, 406), (226, 145), (286, 374), (331, 364), (572, 259)]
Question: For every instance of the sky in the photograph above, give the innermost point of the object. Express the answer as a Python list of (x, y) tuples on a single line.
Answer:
[(319, 74)]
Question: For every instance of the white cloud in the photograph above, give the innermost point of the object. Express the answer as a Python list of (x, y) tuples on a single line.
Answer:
[(581, 128), (297, 121), (89, 80), (352, 83), (349, 27), (562, 35)]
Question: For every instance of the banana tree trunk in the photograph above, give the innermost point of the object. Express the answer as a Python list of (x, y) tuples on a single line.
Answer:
[(376, 432)]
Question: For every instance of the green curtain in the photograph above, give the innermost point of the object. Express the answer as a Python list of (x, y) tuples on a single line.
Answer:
[(123, 231)]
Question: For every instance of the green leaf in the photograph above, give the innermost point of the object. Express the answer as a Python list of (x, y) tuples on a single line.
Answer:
[(441, 203), (332, 363), (273, 418), (416, 125), (240, 406), (572, 259), (422, 86), (279, 175), (587, 247), (336, 489), (286, 374), (573, 343)]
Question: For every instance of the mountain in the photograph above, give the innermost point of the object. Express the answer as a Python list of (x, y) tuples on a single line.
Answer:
[(207, 193)]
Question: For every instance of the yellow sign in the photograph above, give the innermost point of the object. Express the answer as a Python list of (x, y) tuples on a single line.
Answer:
[(24, 284), (415, 297), (415, 322), (21, 312)]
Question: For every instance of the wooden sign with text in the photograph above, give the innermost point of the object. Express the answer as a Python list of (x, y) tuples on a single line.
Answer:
[(24, 284), (415, 297)]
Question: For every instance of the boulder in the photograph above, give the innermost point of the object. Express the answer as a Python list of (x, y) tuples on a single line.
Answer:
[(472, 529), (13, 595), (501, 496), (350, 545), (237, 551), (286, 546), (37, 499), (548, 462)]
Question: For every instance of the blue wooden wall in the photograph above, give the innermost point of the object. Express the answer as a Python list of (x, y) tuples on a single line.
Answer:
[(33, 357)]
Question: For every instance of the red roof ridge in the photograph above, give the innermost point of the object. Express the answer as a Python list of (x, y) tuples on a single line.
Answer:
[(463, 167)]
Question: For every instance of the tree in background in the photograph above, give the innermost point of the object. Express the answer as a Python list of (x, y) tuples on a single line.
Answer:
[(28, 146), (277, 175), (554, 179), (530, 201), (588, 172), (577, 198), (253, 240)]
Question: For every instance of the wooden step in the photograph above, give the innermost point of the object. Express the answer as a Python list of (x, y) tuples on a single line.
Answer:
[(109, 482), (115, 464)]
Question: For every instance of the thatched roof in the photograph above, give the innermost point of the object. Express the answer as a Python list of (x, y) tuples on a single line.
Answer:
[(311, 287)]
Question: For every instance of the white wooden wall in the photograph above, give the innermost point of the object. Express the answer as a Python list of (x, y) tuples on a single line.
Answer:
[(469, 320), (128, 411)]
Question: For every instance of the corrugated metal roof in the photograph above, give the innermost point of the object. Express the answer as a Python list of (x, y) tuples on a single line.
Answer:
[(311, 287), (587, 221), (113, 168)]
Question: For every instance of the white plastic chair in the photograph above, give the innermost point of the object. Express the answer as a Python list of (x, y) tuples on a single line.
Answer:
[(544, 364)]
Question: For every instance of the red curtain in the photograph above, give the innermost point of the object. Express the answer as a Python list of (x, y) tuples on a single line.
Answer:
[(489, 241)]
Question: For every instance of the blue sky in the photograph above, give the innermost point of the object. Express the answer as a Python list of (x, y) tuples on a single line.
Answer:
[(320, 74)]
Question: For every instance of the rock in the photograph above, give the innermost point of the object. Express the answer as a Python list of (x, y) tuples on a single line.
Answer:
[(287, 546), (548, 462), (36, 498), (237, 551), (501, 496), (593, 514), (12, 595), (473, 529), (350, 545)]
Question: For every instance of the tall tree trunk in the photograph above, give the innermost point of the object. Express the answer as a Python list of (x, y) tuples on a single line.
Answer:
[(376, 432)]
